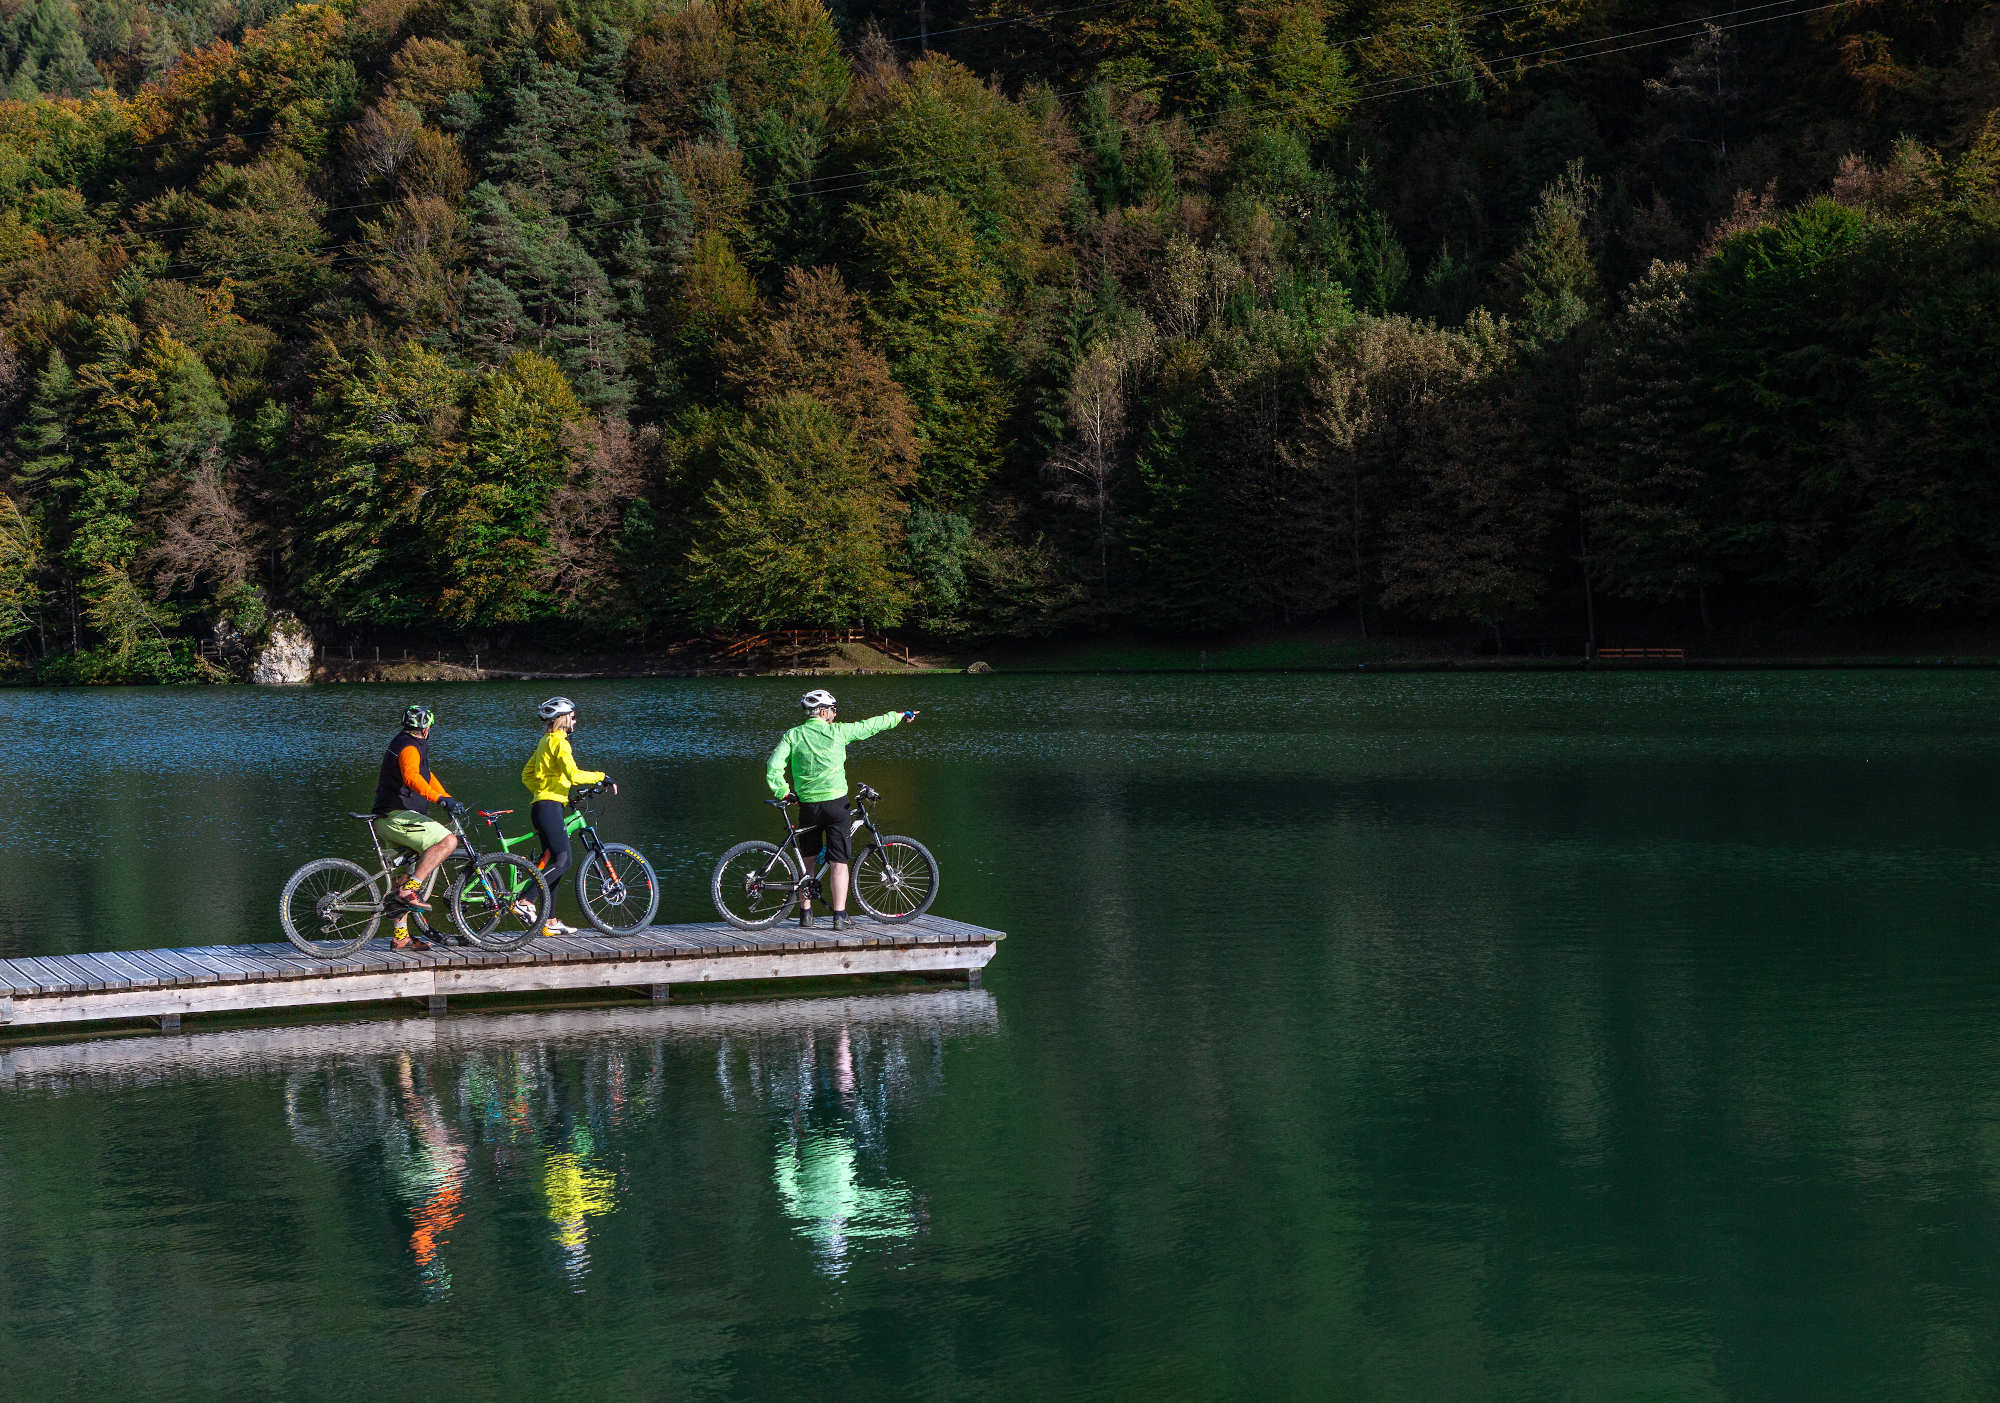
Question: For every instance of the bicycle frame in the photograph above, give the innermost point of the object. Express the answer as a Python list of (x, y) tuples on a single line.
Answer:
[(467, 852), (858, 805), (576, 822)]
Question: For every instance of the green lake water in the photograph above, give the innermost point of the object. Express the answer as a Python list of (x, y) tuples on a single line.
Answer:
[(1392, 1037)]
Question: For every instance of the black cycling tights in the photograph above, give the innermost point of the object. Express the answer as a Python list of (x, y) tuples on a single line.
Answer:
[(547, 816)]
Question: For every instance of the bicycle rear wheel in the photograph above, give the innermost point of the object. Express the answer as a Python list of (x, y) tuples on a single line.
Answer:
[(896, 879), (754, 885), (617, 890), (500, 902), (330, 908)]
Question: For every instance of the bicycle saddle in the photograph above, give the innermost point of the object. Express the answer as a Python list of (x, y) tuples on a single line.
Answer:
[(490, 814), (777, 803), (365, 818)]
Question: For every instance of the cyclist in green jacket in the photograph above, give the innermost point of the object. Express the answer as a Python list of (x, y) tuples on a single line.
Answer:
[(816, 753)]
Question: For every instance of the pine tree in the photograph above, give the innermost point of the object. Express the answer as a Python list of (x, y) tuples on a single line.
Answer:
[(490, 520), (388, 436), (1644, 487), (21, 594), (537, 289), (45, 439), (933, 310), (1557, 275)]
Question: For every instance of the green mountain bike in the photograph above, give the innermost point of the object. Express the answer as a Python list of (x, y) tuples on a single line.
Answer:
[(756, 884), (615, 885), (332, 907)]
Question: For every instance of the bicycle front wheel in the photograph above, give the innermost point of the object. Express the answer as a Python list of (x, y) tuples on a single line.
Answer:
[(330, 908), (500, 902), (754, 885), (617, 890), (896, 879)]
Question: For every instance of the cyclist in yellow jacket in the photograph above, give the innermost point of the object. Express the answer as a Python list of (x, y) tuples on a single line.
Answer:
[(549, 773)]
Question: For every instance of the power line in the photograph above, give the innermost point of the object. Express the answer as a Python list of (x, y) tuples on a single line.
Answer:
[(1400, 85), (1354, 41), (1002, 23), (1696, 23), (848, 182), (846, 176), (1649, 44)]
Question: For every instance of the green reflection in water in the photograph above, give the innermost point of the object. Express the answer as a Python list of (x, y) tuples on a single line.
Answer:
[(828, 1162)]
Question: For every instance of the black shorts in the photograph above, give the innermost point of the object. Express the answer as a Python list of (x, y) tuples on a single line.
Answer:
[(826, 821)]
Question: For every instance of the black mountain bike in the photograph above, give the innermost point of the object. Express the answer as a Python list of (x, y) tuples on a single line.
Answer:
[(756, 884), (332, 907)]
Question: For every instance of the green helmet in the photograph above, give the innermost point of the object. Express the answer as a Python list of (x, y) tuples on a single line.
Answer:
[(419, 718)]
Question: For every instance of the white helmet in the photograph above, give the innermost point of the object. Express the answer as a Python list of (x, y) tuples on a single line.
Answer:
[(816, 698), (554, 707)]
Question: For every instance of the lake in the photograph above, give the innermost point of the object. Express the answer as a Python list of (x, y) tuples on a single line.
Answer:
[(1422, 1036)]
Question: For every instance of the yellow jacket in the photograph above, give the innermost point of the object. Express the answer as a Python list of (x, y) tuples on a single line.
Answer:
[(551, 770)]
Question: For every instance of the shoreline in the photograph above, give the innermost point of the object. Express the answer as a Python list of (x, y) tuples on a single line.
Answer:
[(1304, 651), (434, 674), (447, 672)]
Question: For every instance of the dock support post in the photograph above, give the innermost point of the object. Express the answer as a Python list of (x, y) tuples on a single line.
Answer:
[(662, 993), (972, 979), (169, 1022), (434, 1004)]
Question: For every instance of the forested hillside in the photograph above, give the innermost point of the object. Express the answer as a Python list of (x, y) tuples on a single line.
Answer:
[(602, 320)]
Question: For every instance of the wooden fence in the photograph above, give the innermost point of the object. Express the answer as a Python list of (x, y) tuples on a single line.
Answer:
[(793, 639)]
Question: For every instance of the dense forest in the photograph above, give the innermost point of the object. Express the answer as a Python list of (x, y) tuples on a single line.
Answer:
[(598, 321)]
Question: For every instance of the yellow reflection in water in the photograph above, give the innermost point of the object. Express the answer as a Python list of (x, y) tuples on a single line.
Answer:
[(576, 1192)]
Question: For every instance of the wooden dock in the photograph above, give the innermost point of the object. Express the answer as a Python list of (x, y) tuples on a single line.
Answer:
[(165, 985)]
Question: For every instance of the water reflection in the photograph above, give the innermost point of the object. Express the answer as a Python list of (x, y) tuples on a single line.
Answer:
[(530, 1118), (430, 1176), (832, 1095)]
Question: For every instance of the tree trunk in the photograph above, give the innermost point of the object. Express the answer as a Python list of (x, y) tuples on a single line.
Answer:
[(1354, 535), (1589, 620), (1589, 596)]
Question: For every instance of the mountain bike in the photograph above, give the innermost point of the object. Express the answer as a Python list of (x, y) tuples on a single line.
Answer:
[(332, 907), (756, 884), (615, 885)]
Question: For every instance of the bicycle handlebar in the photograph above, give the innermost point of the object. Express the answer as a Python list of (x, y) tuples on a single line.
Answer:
[(861, 791)]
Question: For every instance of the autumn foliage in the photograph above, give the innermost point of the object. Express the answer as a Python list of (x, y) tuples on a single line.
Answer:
[(600, 321)]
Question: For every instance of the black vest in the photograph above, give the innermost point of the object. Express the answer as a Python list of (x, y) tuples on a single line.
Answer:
[(390, 791)]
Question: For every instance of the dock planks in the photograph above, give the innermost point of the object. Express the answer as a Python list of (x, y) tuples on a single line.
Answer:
[(41, 990)]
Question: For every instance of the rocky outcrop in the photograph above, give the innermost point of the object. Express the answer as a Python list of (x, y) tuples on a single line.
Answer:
[(287, 655), (979, 668)]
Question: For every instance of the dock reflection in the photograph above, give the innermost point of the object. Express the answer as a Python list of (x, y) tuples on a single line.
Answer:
[(531, 1116)]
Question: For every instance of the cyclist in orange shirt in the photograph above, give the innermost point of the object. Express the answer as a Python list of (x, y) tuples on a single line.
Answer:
[(405, 788)]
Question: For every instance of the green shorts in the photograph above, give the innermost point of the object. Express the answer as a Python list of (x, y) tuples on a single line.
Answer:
[(408, 829)]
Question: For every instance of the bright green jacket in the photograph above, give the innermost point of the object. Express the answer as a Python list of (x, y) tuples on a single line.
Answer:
[(817, 753)]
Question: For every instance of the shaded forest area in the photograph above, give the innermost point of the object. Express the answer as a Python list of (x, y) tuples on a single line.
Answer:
[(607, 321)]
